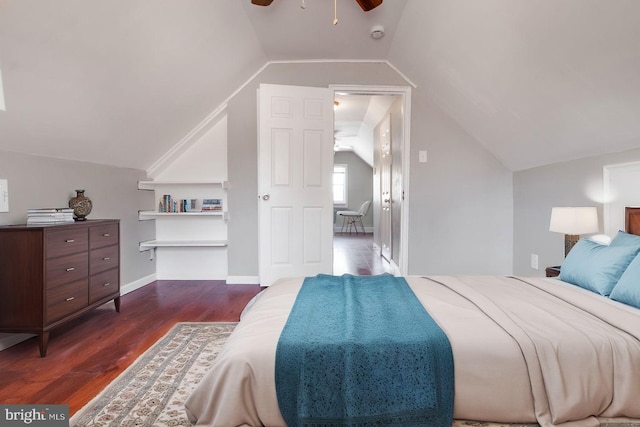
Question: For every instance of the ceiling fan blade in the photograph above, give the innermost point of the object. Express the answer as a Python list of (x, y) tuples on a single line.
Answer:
[(261, 2), (368, 5)]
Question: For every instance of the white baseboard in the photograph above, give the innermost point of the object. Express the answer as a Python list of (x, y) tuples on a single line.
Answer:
[(172, 275), (243, 280), (137, 284)]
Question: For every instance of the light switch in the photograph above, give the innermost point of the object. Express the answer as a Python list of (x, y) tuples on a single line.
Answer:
[(4, 195), (422, 156)]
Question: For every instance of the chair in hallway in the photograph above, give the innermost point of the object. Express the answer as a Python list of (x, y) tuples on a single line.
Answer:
[(350, 219)]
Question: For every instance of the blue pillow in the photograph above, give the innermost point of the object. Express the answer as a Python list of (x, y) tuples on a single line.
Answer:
[(625, 239), (596, 267), (627, 290)]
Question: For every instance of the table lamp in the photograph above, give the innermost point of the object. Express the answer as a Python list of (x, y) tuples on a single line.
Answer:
[(573, 221)]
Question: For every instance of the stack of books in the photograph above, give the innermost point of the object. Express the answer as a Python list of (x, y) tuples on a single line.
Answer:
[(49, 216), (212, 205)]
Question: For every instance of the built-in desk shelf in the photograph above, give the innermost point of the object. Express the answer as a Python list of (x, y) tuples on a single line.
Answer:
[(152, 244)]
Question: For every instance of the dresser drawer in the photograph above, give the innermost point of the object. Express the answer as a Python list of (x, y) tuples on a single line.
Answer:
[(66, 241), (103, 284), (66, 269), (66, 299), (103, 235), (103, 259)]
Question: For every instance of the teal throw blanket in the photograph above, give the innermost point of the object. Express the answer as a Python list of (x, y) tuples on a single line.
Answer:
[(362, 351)]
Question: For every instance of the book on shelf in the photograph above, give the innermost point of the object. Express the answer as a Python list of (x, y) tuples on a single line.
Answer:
[(211, 205), (187, 205), (168, 204)]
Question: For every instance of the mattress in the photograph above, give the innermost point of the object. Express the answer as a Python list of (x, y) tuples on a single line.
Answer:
[(525, 350)]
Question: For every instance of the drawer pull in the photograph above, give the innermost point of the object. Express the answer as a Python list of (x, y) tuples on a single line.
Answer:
[(69, 269), (70, 299), (107, 284), (106, 258), (69, 241), (106, 235)]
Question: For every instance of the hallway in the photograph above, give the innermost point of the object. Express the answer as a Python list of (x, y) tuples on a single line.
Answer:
[(354, 254)]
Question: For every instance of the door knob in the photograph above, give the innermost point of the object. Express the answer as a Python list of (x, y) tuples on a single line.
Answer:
[(265, 197)]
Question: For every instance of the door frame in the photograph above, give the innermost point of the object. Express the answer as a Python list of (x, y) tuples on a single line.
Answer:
[(405, 93)]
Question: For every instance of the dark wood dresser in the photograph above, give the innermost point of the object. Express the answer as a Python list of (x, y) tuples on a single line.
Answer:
[(50, 274)]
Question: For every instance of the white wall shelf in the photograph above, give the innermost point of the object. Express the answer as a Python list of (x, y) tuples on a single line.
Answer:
[(144, 215), (151, 244), (152, 185)]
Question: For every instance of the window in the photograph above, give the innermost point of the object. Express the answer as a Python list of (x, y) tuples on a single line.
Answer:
[(340, 185)]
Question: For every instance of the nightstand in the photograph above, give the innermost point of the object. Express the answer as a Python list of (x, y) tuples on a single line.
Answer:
[(553, 271)]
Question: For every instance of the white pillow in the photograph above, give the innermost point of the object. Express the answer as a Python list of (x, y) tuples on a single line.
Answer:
[(602, 239)]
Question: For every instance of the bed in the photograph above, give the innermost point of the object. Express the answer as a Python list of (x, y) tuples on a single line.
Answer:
[(525, 350)]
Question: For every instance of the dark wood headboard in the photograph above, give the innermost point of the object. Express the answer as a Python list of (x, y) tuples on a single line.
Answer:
[(632, 220)]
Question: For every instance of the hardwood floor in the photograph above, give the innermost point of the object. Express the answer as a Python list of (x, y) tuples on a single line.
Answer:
[(355, 254), (85, 355)]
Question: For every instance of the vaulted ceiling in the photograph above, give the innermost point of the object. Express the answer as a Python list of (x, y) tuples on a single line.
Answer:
[(122, 81)]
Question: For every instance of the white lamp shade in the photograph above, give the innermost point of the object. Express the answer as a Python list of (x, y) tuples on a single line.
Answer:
[(575, 221)]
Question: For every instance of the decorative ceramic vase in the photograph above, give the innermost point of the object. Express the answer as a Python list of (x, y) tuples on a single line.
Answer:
[(81, 205)]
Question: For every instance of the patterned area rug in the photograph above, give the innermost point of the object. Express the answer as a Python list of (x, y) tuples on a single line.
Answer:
[(152, 391)]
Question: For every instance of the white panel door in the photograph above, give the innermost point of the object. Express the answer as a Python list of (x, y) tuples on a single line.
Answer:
[(295, 166)]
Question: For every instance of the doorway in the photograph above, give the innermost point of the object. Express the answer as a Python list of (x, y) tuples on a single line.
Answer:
[(296, 240), (371, 128)]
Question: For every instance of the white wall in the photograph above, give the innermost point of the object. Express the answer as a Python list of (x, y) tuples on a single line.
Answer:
[(621, 189), (537, 190), (204, 161), (461, 207)]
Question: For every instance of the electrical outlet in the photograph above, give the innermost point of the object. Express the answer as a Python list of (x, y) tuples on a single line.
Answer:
[(422, 156), (534, 261), (4, 195)]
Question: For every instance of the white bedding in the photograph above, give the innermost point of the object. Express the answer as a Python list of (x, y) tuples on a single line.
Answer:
[(522, 353)]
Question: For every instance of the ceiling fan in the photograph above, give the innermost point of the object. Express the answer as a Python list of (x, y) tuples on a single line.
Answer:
[(366, 5)]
